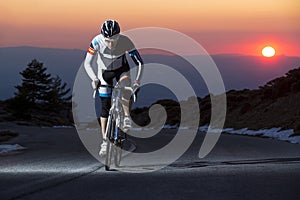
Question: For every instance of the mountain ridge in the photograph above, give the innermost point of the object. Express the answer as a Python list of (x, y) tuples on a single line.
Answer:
[(271, 102), (238, 71)]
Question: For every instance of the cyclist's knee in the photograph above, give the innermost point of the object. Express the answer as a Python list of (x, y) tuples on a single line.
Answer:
[(124, 80), (126, 94)]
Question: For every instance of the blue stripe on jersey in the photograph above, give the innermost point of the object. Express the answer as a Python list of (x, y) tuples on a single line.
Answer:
[(95, 43), (92, 46), (134, 54), (104, 95)]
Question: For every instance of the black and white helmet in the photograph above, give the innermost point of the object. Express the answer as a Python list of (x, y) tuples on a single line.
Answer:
[(110, 28)]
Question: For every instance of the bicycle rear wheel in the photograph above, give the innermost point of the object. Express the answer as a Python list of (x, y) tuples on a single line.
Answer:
[(118, 155)]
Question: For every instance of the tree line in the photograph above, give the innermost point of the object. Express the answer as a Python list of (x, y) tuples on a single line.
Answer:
[(38, 91), (281, 86)]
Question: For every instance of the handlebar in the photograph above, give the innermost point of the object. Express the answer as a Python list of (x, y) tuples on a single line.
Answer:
[(120, 87)]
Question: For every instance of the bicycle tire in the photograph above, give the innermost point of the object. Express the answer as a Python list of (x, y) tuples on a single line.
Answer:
[(109, 152), (118, 155), (109, 147)]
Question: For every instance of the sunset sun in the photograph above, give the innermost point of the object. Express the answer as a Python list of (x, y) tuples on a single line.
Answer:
[(268, 51)]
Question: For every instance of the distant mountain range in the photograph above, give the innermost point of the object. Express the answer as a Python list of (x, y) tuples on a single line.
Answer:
[(238, 71)]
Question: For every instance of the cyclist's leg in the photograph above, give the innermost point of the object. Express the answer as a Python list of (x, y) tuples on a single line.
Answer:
[(125, 81), (105, 106), (105, 96)]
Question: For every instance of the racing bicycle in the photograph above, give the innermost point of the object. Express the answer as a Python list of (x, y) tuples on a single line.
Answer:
[(114, 133)]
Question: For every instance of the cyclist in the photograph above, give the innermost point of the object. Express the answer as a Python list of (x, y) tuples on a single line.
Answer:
[(108, 51)]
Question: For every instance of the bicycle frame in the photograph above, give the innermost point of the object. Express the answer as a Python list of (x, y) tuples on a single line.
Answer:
[(114, 125)]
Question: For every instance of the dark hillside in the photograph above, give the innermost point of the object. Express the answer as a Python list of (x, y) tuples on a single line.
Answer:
[(276, 104)]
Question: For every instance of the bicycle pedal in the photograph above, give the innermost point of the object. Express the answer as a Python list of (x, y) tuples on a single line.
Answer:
[(119, 142)]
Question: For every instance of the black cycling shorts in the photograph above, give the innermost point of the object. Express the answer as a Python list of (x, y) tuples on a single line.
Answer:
[(109, 76)]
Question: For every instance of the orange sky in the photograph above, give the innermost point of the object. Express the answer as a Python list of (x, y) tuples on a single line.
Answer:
[(231, 26)]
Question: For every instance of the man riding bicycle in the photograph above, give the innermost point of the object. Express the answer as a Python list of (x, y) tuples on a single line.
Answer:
[(110, 48)]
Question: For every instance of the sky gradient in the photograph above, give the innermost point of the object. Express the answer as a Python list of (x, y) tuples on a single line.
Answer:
[(231, 26)]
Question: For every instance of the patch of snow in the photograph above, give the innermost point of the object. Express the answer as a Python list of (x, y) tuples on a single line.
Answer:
[(275, 133), (63, 127), (166, 126), (5, 148), (203, 128)]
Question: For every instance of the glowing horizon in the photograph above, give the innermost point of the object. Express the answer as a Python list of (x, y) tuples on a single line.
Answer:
[(221, 27)]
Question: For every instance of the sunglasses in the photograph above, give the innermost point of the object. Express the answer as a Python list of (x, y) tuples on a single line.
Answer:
[(112, 39)]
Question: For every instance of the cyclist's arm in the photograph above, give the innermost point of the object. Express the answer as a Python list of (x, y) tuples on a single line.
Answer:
[(90, 55), (134, 54)]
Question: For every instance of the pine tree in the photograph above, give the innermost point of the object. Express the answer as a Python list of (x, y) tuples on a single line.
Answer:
[(39, 93), (32, 90), (35, 83)]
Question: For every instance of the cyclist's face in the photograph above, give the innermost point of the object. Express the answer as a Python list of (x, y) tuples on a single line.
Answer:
[(112, 41)]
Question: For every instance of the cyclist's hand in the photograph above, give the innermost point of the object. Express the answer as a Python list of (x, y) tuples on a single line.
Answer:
[(95, 83), (136, 86)]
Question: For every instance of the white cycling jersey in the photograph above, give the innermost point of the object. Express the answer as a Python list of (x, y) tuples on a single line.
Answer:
[(111, 59)]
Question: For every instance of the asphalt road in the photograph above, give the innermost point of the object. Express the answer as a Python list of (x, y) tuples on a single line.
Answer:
[(56, 165)]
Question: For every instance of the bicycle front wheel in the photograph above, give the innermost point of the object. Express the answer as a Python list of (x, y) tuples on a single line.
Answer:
[(109, 147), (109, 151)]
